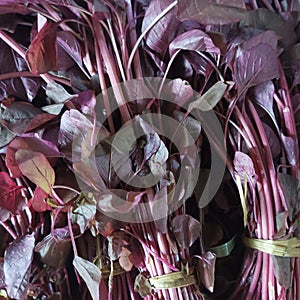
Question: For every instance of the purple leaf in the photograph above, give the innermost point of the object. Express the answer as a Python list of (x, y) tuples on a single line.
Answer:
[(163, 32), (36, 167), (206, 269), (74, 126), (41, 54), (291, 149), (90, 274), (29, 142), (243, 164), (186, 230), (71, 45), (211, 12), (159, 207), (273, 140), (54, 248), (282, 270), (289, 187), (11, 197), (17, 262), (2, 277), (264, 93), (254, 66), (193, 40), (179, 91)]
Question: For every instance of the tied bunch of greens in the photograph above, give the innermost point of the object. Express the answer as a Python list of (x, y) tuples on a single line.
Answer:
[(110, 118)]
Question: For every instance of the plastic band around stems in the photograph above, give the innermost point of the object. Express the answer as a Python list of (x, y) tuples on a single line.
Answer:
[(283, 248), (172, 280), (224, 249)]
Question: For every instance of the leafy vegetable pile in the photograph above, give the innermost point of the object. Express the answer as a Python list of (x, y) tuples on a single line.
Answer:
[(112, 172)]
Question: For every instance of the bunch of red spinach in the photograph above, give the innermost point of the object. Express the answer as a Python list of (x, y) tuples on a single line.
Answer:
[(58, 240)]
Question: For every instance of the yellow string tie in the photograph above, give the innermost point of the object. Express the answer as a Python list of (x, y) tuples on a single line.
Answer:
[(172, 281), (283, 248)]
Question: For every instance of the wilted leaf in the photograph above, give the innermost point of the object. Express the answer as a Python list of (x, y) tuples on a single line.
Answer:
[(211, 12), (11, 197), (54, 249), (41, 54), (36, 167), (83, 213), (124, 259), (206, 269), (243, 164), (211, 98), (90, 274), (17, 262), (142, 286), (186, 230)]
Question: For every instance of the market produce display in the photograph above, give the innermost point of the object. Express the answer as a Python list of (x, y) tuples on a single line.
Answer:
[(149, 149)]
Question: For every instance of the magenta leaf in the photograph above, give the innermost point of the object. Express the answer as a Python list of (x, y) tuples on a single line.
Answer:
[(217, 12), (162, 33), (11, 197), (17, 264), (193, 40), (41, 54), (90, 274), (255, 66), (186, 230), (36, 167)]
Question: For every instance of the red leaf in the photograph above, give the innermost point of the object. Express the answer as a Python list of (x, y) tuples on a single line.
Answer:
[(41, 54), (10, 194), (38, 202)]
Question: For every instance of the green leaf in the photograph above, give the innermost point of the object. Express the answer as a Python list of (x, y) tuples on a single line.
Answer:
[(90, 274), (36, 167), (211, 98)]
